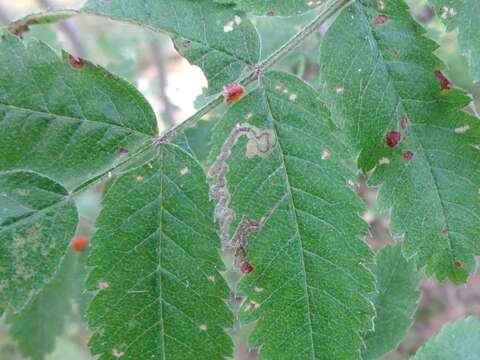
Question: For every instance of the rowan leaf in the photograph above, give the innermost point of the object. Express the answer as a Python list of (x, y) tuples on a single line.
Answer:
[(396, 302), (463, 15), (456, 340), (222, 41), (283, 202), (156, 266), (274, 7), (36, 327), (63, 117), (388, 94), (37, 221)]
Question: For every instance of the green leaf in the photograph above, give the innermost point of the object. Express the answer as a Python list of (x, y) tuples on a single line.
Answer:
[(274, 7), (67, 123), (282, 194), (221, 41), (456, 340), (396, 301), (37, 221), (463, 14), (379, 74), (156, 266), (36, 328)]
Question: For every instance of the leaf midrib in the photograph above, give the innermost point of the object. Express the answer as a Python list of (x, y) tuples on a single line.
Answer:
[(297, 229)]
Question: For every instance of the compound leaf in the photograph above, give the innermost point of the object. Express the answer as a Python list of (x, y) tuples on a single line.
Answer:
[(456, 340), (463, 15), (284, 204), (156, 266), (63, 117), (380, 74), (37, 221), (396, 302), (274, 7), (222, 41), (36, 328)]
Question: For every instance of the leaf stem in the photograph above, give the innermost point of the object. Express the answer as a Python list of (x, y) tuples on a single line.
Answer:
[(329, 10)]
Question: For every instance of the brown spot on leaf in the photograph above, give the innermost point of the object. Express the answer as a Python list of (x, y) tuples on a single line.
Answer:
[(123, 150), (445, 232), (393, 138), (457, 264), (20, 29), (270, 13), (445, 84), (408, 155), (380, 19), (76, 63), (246, 267), (186, 43), (233, 93)]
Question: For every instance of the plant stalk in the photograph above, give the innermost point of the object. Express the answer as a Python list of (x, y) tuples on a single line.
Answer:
[(329, 10)]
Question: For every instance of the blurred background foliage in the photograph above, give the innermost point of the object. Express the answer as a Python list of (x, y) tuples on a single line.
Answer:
[(175, 89)]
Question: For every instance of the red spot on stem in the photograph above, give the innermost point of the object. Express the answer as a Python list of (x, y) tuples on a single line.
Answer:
[(246, 267), (80, 243), (76, 63), (445, 84), (393, 138), (233, 93)]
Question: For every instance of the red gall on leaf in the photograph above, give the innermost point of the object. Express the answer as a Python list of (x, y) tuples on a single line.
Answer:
[(80, 243), (380, 19), (404, 122), (445, 84), (76, 63), (233, 93), (393, 138), (408, 155), (246, 267)]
